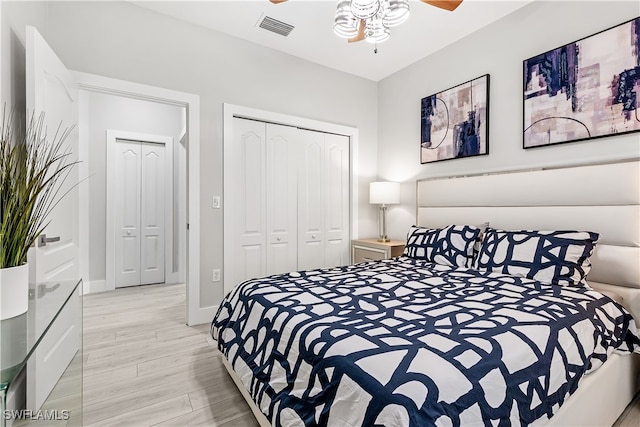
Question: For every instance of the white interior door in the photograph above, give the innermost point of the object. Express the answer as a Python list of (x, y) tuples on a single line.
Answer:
[(51, 89), (311, 208), (126, 194), (336, 204), (282, 205), (323, 200), (245, 206), (152, 221), (139, 206)]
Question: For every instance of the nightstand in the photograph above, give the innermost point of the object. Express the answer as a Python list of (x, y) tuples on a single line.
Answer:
[(371, 250)]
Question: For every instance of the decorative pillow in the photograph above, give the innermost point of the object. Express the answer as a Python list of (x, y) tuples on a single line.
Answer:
[(552, 257), (452, 245)]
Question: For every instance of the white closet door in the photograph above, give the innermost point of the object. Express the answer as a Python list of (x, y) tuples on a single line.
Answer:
[(152, 255), (336, 206), (311, 209), (245, 191), (281, 199), (127, 213)]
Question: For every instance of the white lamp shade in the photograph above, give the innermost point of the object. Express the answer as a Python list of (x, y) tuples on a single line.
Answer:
[(384, 193)]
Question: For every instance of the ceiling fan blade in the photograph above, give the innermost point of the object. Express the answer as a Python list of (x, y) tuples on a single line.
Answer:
[(360, 36), (449, 5), (277, 1)]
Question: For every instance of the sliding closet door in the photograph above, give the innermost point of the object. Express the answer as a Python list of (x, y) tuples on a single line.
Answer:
[(127, 213), (336, 206), (245, 201), (323, 200), (311, 208), (286, 204), (282, 208), (152, 214), (139, 204)]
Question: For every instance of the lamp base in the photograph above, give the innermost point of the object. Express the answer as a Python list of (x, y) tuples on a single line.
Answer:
[(383, 239)]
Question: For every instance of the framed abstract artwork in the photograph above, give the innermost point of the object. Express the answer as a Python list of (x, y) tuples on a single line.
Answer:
[(454, 123), (586, 89)]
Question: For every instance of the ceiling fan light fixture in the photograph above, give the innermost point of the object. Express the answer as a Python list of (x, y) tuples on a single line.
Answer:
[(345, 24), (375, 31), (371, 19), (345, 27), (365, 9), (396, 12)]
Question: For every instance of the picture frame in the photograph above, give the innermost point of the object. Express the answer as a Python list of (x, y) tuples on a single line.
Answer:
[(583, 90), (454, 123)]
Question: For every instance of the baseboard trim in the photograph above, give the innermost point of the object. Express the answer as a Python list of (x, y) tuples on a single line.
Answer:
[(202, 316), (94, 286)]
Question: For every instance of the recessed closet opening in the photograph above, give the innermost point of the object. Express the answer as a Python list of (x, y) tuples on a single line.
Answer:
[(289, 193)]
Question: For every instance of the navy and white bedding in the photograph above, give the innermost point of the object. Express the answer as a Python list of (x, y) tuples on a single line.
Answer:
[(405, 342)]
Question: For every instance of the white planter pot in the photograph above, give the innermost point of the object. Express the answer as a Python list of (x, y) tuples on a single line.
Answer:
[(14, 291)]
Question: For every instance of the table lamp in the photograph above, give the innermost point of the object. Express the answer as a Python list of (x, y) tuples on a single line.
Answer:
[(383, 194)]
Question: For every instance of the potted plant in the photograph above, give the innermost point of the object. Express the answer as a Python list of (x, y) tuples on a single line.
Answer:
[(33, 169)]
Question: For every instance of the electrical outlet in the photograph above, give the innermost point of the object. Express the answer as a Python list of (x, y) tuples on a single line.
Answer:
[(216, 275), (215, 204)]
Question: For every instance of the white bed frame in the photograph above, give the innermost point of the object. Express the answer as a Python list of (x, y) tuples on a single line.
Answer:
[(604, 198)]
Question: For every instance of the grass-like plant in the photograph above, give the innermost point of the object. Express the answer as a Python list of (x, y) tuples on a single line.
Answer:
[(33, 170)]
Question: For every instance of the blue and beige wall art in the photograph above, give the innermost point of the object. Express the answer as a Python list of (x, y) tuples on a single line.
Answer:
[(586, 89), (454, 122)]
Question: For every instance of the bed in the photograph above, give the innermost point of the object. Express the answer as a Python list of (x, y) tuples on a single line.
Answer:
[(411, 341)]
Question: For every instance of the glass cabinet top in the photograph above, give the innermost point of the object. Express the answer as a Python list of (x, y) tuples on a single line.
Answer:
[(20, 335)]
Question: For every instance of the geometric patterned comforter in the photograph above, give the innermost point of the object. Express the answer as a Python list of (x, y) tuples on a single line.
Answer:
[(403, 343)]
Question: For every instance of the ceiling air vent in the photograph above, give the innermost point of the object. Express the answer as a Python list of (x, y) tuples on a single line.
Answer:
[(275, 26)]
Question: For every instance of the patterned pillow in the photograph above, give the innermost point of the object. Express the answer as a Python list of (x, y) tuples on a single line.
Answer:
[(552, 257), (452, 245)]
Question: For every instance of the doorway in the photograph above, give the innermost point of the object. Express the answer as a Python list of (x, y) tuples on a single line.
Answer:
[(132, 201), (94, 84)]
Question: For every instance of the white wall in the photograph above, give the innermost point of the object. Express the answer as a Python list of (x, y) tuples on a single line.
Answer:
[(499, 50), (123, 41), (124, 114)]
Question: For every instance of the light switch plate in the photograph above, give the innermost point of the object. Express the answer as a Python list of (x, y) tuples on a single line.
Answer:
[(216, 202)]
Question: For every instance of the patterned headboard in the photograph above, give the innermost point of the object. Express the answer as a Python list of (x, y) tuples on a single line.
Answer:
[(604, 198)]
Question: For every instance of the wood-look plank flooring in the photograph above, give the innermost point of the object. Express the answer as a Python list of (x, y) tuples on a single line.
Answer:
[(144, 367)]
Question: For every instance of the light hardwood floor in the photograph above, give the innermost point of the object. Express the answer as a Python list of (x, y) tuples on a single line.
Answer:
[(143, 366)]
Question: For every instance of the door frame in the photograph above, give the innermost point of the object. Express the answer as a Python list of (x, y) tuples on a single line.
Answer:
[(113, 136), (182, 213), (231, 110), (195, 314)]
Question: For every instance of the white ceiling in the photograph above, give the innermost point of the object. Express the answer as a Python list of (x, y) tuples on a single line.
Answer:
[(427, 30)]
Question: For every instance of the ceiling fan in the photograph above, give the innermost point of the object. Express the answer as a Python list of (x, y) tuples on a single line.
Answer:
[(370, 20)]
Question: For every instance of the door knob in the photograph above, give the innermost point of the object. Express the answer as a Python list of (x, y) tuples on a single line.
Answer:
[(43, 239)]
